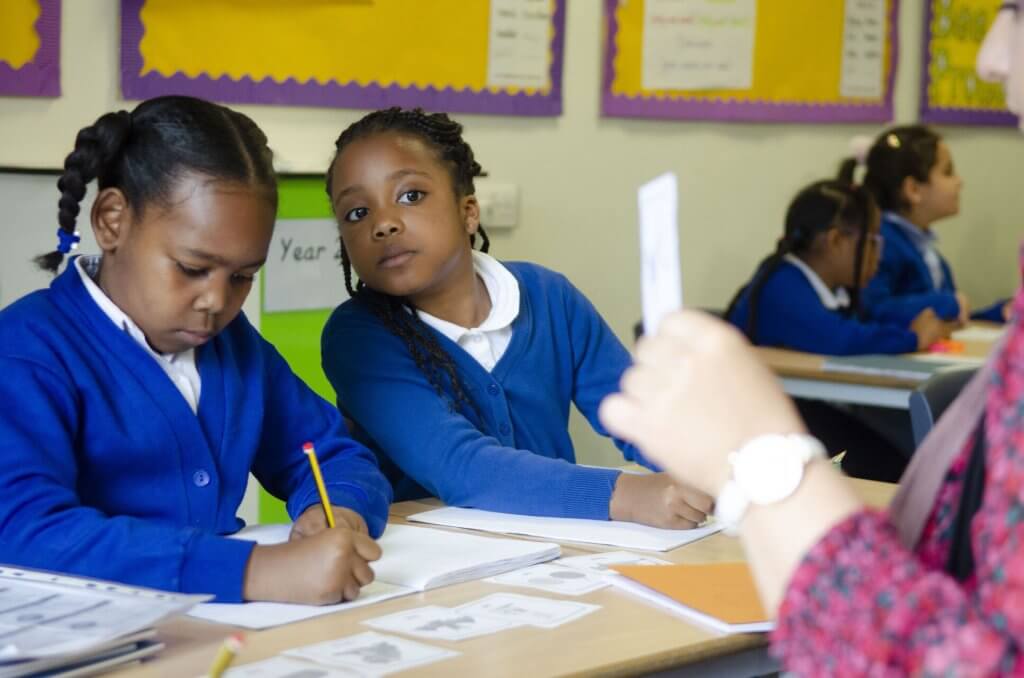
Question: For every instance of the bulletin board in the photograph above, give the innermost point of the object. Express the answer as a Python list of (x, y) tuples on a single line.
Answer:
[(750, 60), (470, 56), (951, 91), (296, 334), (30, 48)]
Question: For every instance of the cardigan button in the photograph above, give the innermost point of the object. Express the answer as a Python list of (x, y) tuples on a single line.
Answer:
[(493, 389), (201, 478)]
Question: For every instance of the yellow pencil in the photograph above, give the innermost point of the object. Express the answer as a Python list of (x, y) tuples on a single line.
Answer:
[(226, 655), (324, 499)]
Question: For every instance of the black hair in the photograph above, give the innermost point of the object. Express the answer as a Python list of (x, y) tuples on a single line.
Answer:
[(818, 208), (897, 153), (444, 135), (145, 152)]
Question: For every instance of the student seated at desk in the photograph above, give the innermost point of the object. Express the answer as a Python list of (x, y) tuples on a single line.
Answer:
[(137, 398), (911, 175), (458, 369), (804, 297)]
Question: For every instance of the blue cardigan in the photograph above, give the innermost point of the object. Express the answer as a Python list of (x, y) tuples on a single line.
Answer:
[(512, 452), (107, 472), (903, 285), (790, 315)]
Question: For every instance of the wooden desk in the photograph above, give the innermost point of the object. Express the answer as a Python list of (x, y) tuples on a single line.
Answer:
[(803, 376), (625, 637)]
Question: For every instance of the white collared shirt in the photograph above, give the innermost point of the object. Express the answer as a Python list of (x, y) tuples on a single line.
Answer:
[(487, 342), (832, 300), (179, 367)]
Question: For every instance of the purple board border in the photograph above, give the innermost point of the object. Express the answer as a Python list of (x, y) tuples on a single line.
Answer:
[(617, 105), (40, 77), (293, 93), (952, 116)]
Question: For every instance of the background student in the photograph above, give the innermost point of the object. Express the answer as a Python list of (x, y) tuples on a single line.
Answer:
[(911, 174), (138, 398), (458, 369)]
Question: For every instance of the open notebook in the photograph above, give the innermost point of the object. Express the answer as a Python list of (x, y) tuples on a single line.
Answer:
[(604, 532), (414, 559), (719, 595)]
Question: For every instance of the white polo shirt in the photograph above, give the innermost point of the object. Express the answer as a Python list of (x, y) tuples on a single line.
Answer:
[(488, 341), (180, 367)]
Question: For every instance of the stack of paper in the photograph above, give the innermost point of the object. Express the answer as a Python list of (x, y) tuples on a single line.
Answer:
[(414, 559), (720, 595), (58, 623), (577, 530)]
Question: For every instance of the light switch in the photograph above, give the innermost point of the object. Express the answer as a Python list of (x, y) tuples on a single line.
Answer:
[(499, 204)]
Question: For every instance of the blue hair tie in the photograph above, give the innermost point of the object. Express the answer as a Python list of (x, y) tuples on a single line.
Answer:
[(68, 241)]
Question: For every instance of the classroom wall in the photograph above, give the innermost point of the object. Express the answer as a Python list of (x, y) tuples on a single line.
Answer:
[(578, 172)]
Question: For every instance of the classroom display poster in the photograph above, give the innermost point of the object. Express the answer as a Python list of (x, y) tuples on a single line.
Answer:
[(951, 91), (30, 48), (750, 60), (302, 283), (469, 56)]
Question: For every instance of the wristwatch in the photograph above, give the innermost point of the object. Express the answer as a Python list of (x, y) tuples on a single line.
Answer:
[(765, 470)]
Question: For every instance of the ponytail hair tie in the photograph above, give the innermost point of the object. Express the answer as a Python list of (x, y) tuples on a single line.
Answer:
[(67, 241)]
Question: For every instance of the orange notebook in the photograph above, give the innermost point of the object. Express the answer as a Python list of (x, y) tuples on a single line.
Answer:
[(720, 595)]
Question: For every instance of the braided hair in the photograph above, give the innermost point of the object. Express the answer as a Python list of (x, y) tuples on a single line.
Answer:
[(144, 153), (816, 209), (897, 153), (397, 314)]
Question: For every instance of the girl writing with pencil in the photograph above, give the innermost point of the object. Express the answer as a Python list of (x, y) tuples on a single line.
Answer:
[(137, 398), (460, 370)]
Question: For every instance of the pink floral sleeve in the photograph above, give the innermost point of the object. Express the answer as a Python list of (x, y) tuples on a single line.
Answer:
[(860, 604)]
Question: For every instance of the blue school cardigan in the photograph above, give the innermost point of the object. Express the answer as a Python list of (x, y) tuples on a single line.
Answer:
[(105, 470)]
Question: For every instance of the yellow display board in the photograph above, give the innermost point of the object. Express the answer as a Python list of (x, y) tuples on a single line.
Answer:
[(798, 60), (951, 90), (30, 47), (484, 56)]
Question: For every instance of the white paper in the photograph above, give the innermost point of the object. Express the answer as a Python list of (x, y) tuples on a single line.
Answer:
[(286, 667), (434, 622), (599, 563), (303, 269), (371, 653), (605, 532), (675, 607), (413, 559), (554, 578), (698, 44), (43, 614), (519, 44), (661, 284), (980, 333), (543, 613), (863, 49)]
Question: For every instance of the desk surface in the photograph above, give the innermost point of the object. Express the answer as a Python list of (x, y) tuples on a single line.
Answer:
[(798, 365), (625, 637)]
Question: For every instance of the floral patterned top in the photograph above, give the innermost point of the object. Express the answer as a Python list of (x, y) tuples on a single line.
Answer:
[(861, 604)]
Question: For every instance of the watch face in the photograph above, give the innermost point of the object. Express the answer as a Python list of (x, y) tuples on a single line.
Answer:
[(771, 471)]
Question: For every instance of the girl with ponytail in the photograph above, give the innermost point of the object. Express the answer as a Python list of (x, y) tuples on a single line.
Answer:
[(138, 398)]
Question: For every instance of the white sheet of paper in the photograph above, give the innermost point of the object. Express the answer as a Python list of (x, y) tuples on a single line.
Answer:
[(554, 578), (661, 284), (372, 653), (440, 623), (863, 49), (599, 563), (286, 667), (698, 44), (980, 333), (267, 615), (519, 44), (544, 613), (605, 532)]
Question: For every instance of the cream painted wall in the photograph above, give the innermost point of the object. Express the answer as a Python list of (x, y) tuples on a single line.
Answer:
[(578, 172)]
